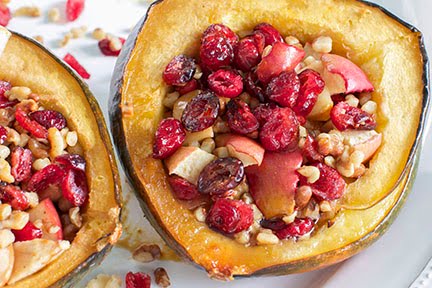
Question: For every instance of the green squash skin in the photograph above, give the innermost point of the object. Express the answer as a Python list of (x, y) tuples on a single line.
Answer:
[(313, 263), (95, 259)]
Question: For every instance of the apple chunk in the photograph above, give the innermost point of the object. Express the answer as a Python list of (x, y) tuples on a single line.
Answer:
[(6, 264), (322, 108), (243, 148), (366, 142), (343, 76), (274, 183), (46, 212), (188, 162)]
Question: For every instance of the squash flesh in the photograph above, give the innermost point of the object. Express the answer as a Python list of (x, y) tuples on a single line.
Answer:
[(25, 63), (163, 35)]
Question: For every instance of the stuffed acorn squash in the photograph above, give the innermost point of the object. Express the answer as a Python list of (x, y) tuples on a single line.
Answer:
[(59, 187), (379, 64)]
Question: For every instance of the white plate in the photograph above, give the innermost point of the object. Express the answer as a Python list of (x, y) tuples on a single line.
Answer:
[(393, 261)]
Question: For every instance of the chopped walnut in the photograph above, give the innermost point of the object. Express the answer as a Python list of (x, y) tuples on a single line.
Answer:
[(146, 253), (98, 34), (78, 32), (65, 40), (29, 11), (54, 15), (75, 216), (330, 144), (161, 277)]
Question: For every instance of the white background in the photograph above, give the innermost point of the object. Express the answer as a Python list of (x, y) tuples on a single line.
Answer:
[(393, 261)]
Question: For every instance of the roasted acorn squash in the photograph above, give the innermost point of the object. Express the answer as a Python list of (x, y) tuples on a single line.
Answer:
[(390, 52), (25, 62)]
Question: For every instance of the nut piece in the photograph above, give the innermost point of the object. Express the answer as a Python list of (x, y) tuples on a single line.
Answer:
[(352, 100), (56, 141), (16, 221), (106, 281), (291, 40), (29, 11), (6, 238), (115, 44), (5, 211), (4, 151), (161, 277), (330, 144), (267, 239), (242, 237), (98, 34), (5, 171), (41, 163), (170, 99), (65, 40), (71, 138), (146, 253), (78, 32), (312, 173), (75, 216), (322, 44), (200, 214), (208, 145), (54, 15), (302, 196), (370, 107), (221, 152), (33, 198), (18, 92)]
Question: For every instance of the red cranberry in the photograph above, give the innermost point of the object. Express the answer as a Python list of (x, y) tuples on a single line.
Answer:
[(311, 86), (169, 136), (296, 229), (49, 118), (264, 112), (179, 71), (74, 187), (240, 118), (280, 133), (5, 15), (190, 86), (14, 196), (4, 87), (226, 83), (230, 216), (329, 186), (216, 52), (29, 232), (71, 161), (3, 134), (36, 129), (201, 112), (337, 98), (73, 62), (310, 150), (137, 280), (183, 189), (222, 31), (220, 176), (247, 54), (270, 33), (21, 164), (346, 117), (74, 8), (106, 49), (284, 89), (251, 85), (50, 175)]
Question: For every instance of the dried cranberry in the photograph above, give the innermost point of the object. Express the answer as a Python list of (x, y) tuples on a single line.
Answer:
[(270, 33), (169, 136), (310, 150), (74, 187), (71, 161), (29, 232), (264, 112), (296, 229), (273, 224), (284, 89), (337, 98), (4, 102), (36, 129), (226, 83), (50, 175), (345, 117), (201, 112), (74, 8), (246, 54), (21, 163), (137, 280), (183, 189), (189, 87), (280, 133), (311, 86), (220, 176), (220, 30), (179, 71), (240, 118), (106, 49), (4, 87), (3, 134), (5, 15), (72, 62), (14, 196), (329, 186), (216, 52), (49, 118), (251, 84), (230, 216)]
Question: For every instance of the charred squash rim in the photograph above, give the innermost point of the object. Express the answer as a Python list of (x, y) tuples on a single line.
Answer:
[(401, 188), (107, 239)]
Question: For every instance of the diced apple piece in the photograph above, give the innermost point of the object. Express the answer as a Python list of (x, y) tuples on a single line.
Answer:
[(282, 57), (367, 142), (198, 136), (47, 213), (4, 38), (322, 108), (343, 76), (188, 162), (32, 256), (181, 103), (6, 264), (243, 148), (274, 183)]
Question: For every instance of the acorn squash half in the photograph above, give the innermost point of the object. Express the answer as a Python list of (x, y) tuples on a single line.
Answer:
[(25, 62), (390, 52)]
